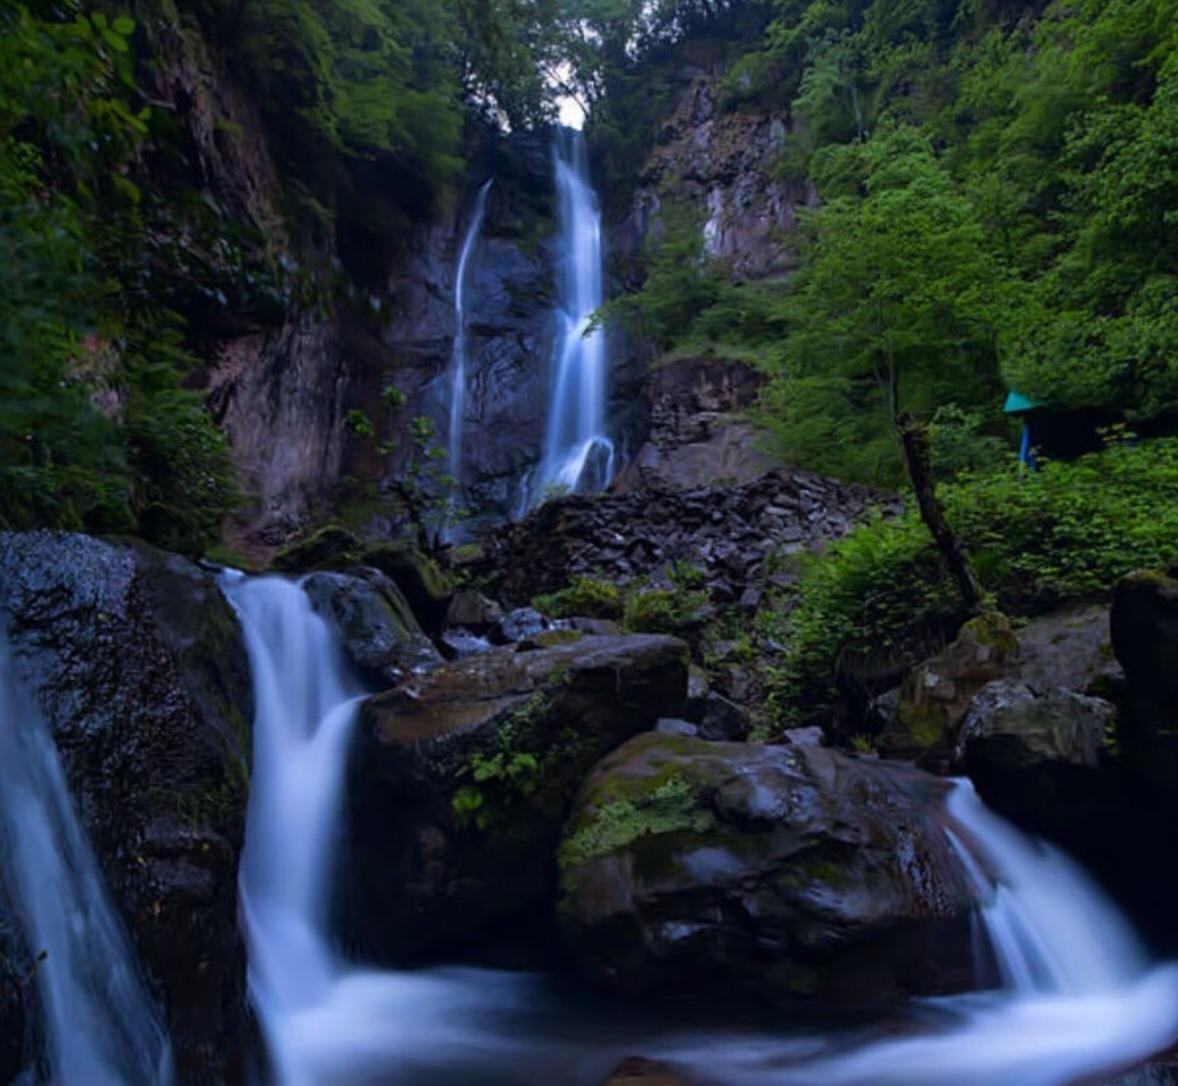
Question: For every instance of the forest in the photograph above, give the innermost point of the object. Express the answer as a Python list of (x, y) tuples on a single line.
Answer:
[(588, 541)]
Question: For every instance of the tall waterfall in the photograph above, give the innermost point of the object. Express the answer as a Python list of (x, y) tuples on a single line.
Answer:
[(458, 349), (101, 1026), (578, 454)]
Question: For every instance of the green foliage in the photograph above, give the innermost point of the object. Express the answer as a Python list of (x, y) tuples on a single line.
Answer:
[(661, 610), (499, 778), (1038, 540), (896, 311), (586, 597), (97, 428)]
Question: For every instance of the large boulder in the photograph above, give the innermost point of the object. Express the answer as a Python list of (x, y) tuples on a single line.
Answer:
[(426, 588), (936, 694), (1144, 625), (460, 781), (137, 663), (697, 867), (1010, 731), (1071, 649), (375, 623)]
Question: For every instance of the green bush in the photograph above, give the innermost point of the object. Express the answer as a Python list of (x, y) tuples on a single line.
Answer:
[(1037, 541), (661, 610), (587, 597)]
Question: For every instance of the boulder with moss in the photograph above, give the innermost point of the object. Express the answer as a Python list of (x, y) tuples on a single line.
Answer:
[(375, 623), (760, 871), (461, 778), (423, 582), (137, 663), (936, 694)]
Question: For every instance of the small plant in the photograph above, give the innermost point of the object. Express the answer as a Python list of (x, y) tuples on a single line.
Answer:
[(662, 610), (862, 744), (505, 776), (587, 597)]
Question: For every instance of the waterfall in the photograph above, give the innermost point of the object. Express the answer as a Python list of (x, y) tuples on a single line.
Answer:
[(1078, 1001), (578, 454), (101, 1025), (327, 1021), (458, 350)]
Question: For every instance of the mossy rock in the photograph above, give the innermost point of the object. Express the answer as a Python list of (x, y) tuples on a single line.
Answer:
[(759, 870), (936, 694), (425, 585), (461, 779)]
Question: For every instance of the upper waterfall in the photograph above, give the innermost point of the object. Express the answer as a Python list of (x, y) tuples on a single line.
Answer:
[(578, 453)]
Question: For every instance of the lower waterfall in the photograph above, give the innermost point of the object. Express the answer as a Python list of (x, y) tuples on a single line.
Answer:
[(101, 1026), (1078, 1000)]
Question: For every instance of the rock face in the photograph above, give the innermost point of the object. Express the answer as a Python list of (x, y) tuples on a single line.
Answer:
[(725, 531), (460, 780), (374, 622), (697, 436), (137, 662), (1144, 626), (760, 871), (936, 695), (721, 162)]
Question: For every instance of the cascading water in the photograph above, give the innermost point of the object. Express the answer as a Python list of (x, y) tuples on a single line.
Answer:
[(458, 350), (101, 1026), (578, 454), (1079, 1001)]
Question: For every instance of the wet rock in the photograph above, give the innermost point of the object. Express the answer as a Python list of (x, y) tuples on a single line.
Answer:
[(473, 611), (936, 694), (779, 871), (1144, 626), (460, 780), (598, 627), (458, 643), (518, 625), (673, 726), (374, 622), (138, 664), (805, 737)]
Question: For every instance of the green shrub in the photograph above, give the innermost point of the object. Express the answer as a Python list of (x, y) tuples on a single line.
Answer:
[(1037, 541), (587, 597), (661, 610)]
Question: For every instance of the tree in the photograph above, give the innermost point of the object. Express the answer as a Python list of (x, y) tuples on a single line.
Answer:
[(895, 312)]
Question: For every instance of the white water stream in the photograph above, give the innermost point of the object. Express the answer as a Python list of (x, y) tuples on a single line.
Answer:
[(101, 1025), (458, 349), (578, 454), (1079, 1000)]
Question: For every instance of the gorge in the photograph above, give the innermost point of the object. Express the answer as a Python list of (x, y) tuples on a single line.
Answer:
[(485, 602)]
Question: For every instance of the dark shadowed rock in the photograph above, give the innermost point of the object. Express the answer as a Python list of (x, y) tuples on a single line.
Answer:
[(636, 1071), (692, 867), (426, 588), (1144, 626), (473, 611), (374, 622), (460, 780), (137, 662)]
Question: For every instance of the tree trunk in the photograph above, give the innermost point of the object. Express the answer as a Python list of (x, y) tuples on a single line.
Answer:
[(914, 438)]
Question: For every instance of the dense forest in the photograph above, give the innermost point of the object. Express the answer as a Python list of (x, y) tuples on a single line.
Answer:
[(614, 493)]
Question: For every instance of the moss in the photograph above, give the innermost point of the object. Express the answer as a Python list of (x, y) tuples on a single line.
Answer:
[(584, 597), (662, 610), (551, 638), (672, 806), (992, 629), (328, 547)]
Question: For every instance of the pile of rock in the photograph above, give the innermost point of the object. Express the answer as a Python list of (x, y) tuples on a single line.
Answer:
[(727, 532)]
